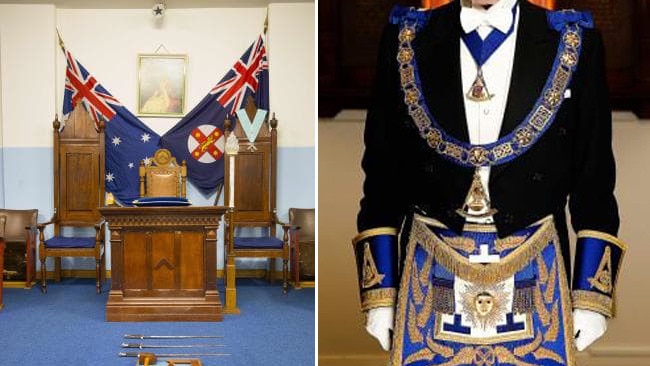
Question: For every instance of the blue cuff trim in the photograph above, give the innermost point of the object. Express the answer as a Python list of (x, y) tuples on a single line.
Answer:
[(380, 267), (598, 261)]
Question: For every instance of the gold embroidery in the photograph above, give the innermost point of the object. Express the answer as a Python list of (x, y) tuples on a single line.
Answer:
[(549, 293), (526, 349), (407, 74), (542, 269), (603, 236), (478, 155), (465, 356), (541, 117), (407, 34), (503, 150), (569, 58), (482, 273), (543, 313), (434, 138), (484, 305), (509, 242), (602, 280), (561, 78), (505, 356), (465, 244), (524, 136), (405, 55), (553, 97), (414, 333), (438, 348), (545, 353), (590, 300), (374, 232), (371, 276), (418, 295), (426, 270), (411, 96), (375, 298), (552, 331), (484, 356), (423, 354), (509, 337), (425, 312), (453, 150)]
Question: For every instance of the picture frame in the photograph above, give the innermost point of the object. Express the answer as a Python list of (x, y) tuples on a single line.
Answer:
[(161, 85)]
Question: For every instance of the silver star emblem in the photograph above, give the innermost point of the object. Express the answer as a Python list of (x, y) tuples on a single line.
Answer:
[(110, 177), (130, 165), (116, 141), (147, 161), (145, 137)]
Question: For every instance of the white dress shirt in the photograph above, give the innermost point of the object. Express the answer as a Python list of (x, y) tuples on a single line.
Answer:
[(484, 119)]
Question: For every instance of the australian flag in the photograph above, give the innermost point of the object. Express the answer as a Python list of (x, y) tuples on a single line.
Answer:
[(128, 140), (198, 138)]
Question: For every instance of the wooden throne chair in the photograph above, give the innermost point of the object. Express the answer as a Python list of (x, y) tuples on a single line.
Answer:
[(250, 192), (164, 177), (302, 240), (79, 190)]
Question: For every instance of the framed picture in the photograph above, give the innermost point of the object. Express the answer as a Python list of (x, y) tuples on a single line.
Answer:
[(161, 85)]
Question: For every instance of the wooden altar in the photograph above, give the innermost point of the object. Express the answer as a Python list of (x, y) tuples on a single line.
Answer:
[(163, 263)]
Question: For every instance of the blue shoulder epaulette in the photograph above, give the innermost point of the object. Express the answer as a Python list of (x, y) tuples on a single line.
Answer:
[(559, 19), (400, 13)]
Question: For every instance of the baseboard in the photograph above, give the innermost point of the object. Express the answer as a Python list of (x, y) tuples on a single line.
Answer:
[(90, 273), (595, 356)]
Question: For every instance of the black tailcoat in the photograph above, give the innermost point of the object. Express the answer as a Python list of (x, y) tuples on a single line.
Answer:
[(573, 160)]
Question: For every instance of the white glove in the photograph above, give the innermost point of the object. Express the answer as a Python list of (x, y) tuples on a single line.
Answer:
[(379, 324), (588, 326)]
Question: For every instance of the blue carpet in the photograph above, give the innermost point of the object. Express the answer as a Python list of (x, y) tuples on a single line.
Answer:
[(66, 327)]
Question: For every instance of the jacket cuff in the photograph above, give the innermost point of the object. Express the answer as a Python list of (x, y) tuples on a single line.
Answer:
[(598, 261), (376, 255)]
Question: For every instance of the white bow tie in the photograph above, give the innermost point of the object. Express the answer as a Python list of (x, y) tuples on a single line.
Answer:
[(471, 18)]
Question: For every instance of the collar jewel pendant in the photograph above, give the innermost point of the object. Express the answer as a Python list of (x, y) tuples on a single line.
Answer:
[(477, 204), (478, 92)]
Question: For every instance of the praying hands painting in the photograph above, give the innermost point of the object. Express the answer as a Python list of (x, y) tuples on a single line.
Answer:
[(161, 85)]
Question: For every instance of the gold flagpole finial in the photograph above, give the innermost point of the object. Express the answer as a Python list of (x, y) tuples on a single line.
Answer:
[(266, 21), (60, 40)]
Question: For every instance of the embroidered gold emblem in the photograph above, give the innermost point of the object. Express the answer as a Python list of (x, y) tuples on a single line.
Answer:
[(569, 59), (411, 96), (572, 39), (478, 156), (371, 276), (465, 244), (484, 356), (477, 204), (478, 92), (434, 138), (602, 280), (524, 136), (484, 306), (407, 34), (552, 97), (405, 55)]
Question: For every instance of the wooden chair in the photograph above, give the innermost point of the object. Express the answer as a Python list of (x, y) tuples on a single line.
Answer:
[(20, 235), (163, 177), (250, 191), (78, 193), (302, 240)]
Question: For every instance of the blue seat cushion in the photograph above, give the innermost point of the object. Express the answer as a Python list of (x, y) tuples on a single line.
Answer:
[(65, 242), (161, 201), (261, 242)]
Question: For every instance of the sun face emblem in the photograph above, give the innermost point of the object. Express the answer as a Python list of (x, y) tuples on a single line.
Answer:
[(484, 306)]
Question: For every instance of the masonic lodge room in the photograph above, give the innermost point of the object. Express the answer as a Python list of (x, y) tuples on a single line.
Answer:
[(157, 182)]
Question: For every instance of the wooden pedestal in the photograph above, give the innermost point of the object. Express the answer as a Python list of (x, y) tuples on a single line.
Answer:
[(163, 263)]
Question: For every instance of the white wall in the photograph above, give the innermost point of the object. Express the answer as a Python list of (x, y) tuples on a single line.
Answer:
[(107, 42)]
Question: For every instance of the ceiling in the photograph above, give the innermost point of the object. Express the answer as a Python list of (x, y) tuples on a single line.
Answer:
[(147, 4)]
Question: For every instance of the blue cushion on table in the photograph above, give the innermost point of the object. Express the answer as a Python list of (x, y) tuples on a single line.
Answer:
[(264, 242), (161, 201), (64, 242)]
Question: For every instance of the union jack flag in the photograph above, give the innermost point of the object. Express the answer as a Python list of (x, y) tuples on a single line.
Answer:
[(243, 76), (128, 140), (198, 138), (84, 88)]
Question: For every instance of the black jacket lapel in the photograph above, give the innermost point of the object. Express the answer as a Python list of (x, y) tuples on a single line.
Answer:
[(437, 50), (534, 54)]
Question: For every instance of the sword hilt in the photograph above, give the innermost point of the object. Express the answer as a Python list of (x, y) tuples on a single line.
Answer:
[(132, 345), (128, 354)]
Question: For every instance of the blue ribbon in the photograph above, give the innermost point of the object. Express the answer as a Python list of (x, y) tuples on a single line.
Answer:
[(559, 19), (400, 14), (480, 49)]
